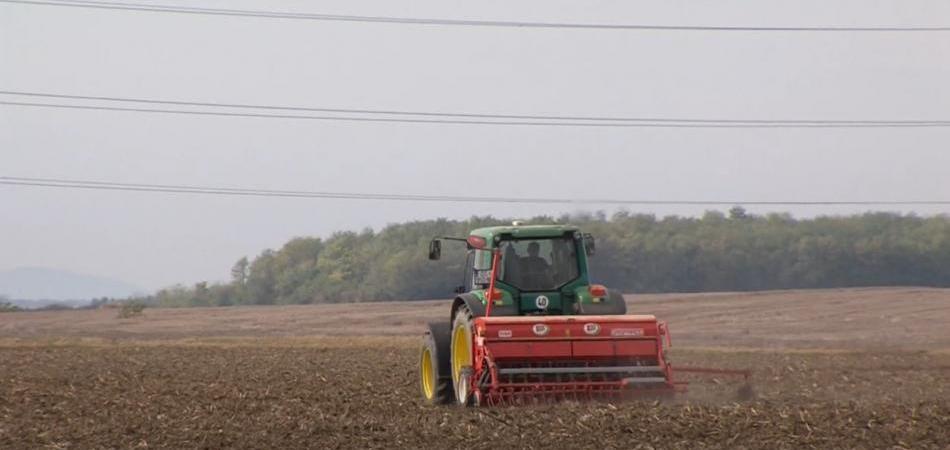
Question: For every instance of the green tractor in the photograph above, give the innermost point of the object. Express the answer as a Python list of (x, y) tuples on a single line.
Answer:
[(529, 324)]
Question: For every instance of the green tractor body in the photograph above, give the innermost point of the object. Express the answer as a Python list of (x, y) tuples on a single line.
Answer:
[(558, 274), (527, 323)]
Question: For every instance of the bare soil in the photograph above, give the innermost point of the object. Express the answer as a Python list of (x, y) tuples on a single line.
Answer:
[(872, 318), (863, 368), (336, 393)]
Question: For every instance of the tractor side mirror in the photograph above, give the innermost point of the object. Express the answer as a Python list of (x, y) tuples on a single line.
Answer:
[(590, 246), (435, 249)]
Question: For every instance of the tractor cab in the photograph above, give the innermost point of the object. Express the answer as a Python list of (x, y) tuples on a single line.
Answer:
[(531, 270)]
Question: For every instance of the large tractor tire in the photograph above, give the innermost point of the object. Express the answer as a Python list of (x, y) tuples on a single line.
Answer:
[(462, 356), (435, 373)]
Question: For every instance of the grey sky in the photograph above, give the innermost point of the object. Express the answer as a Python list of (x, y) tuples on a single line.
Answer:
[(155, 240)]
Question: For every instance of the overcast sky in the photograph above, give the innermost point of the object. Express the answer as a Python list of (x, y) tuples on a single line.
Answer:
[(154, 240)]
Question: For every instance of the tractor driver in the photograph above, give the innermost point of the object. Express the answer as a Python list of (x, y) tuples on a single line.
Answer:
[(534, 269)]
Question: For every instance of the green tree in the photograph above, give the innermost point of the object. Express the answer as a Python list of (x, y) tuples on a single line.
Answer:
[(239, 272), (636, 253)]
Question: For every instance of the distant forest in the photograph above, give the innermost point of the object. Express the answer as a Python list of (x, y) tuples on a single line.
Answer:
[(636, 253)]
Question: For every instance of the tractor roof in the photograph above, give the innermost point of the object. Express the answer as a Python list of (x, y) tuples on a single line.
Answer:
[(523, 231)]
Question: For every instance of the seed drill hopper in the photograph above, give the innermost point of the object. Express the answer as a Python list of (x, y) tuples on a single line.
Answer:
[(527, 325)]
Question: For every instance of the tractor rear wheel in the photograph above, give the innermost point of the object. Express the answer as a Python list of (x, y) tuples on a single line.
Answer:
[(435, 379), (462, 359)]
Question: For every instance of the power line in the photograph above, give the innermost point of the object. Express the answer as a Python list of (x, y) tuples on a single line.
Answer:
[(230, 191), (488, 122), (449, 22), (469, 114)]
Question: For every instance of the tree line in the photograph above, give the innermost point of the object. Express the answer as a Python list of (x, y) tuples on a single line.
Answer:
[(637, 253)]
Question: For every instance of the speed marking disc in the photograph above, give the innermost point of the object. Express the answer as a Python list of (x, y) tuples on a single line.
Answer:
[(542, 302)]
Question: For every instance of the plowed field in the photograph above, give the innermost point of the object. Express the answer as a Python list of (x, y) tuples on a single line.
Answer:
[(167, 386)]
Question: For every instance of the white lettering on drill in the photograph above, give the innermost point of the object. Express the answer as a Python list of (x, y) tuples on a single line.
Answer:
[(626, 332)]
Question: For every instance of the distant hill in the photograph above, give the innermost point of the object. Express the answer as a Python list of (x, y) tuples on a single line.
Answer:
[(39, 283)]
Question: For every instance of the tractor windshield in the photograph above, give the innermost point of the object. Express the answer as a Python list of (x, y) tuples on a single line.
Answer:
[(538, 264)]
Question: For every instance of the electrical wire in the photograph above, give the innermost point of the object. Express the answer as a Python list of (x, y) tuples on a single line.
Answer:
[(230, 191), (487, 122), (454, 22), (464, 114)]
